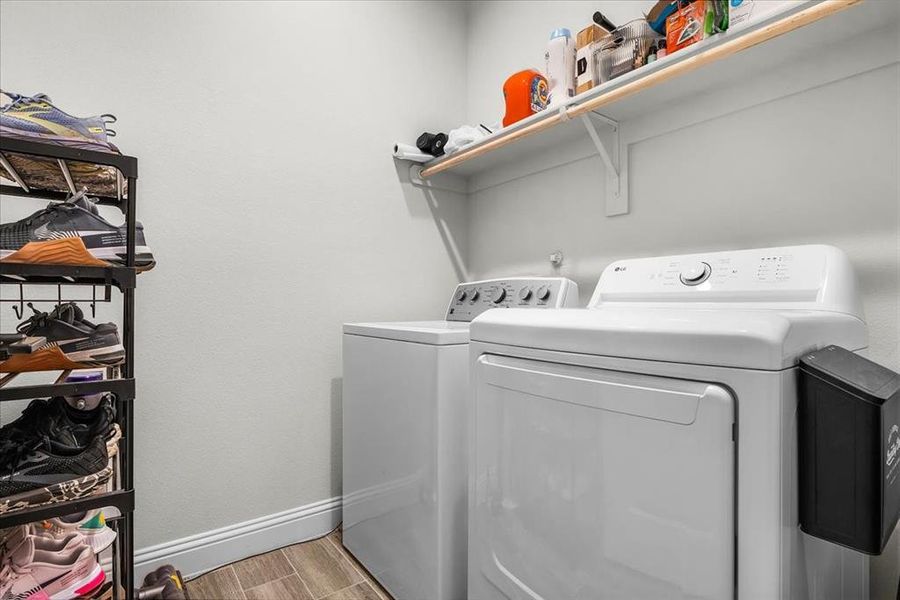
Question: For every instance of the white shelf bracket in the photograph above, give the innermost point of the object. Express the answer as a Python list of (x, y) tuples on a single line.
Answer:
[(610, 150)]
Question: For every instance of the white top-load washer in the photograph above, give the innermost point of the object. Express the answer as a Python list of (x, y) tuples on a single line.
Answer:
[(405, 402), (646, 447)]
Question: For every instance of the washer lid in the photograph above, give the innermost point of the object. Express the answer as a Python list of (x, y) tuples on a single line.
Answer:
[(751, 339), (438, 333)]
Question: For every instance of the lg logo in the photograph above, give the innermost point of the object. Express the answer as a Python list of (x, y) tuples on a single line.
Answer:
[(617, 269)]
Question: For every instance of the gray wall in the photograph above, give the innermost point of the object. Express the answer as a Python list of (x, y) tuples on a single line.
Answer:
[(271, 230), (807, 153), (275, 212)]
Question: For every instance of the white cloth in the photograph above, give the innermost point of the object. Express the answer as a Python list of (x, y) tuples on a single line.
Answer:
[(463, 136)]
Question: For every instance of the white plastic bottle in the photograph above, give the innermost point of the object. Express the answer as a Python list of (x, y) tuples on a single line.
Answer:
[(560, 57)]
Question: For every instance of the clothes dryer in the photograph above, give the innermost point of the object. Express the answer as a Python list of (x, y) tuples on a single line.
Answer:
[(646, 447)]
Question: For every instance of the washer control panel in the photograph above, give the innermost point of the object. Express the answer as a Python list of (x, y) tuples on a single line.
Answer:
[(819, 277), (473, 298)]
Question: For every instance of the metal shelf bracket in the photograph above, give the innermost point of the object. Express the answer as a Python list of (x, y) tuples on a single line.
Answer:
[(608, 144), (416, 180)]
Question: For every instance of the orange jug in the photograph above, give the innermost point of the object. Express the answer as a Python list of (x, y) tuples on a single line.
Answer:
[(526, 93)]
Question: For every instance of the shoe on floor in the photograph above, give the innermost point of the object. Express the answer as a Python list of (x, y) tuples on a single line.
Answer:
[(71, 233), (41, 473), (32, 573), (35, 118), (72, 342)]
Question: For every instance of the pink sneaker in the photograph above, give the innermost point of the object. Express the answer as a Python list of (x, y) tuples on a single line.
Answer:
[(30, 573), (91, 525)]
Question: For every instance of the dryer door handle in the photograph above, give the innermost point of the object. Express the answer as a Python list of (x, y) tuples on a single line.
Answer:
[(651, 397)]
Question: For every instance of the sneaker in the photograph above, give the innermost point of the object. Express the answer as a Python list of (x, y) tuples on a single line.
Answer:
[(56, 535), (30, 573), (11, 539), (71, 233), (66, 426), (42, 474), (62, 543), (36, 118), (89, 526), (72, 342)]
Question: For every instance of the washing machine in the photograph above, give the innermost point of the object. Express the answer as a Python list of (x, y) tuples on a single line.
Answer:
[(405, 453), (646, 447)]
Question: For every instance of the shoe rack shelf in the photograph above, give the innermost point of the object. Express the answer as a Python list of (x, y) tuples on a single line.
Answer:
[(67, 160), (123, 389), (56, 170), (122, 500), (120, 277)]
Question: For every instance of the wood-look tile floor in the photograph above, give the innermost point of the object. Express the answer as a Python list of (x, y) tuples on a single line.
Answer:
[(316, 570)]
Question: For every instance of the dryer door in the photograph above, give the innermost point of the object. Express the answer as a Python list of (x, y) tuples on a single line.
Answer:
[(597, 484)]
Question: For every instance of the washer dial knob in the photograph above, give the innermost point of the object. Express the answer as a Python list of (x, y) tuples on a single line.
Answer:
[(498, 294), (695, 273), (525, 294), (474, 295), (543, 293), (461, 295)]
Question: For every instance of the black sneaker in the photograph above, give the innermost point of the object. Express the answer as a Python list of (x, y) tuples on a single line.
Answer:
[(70, 233), (72, 342), (43, 473), (69, 428)]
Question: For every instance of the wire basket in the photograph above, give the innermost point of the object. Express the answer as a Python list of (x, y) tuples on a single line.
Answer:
[(624, 50)]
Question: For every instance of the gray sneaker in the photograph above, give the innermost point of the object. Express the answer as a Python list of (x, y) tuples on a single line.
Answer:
[(71, 233), (71, 342)]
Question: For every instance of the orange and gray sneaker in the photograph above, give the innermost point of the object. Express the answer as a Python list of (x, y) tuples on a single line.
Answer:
[(71, 342), (71, 233), (32, 573)]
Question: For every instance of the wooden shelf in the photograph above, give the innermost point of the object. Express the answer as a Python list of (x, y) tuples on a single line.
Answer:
[(712, 64)]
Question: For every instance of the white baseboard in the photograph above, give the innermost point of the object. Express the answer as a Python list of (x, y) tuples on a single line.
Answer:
[(202, 552)]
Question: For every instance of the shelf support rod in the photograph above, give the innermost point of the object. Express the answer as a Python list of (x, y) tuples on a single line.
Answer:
[(65, 171), (13, 173), (610, 152)]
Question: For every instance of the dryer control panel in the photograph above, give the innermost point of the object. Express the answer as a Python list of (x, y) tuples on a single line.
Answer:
[(473, 298), (808, 277)]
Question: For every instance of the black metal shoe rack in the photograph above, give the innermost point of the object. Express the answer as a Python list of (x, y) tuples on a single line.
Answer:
[(122, 382)]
